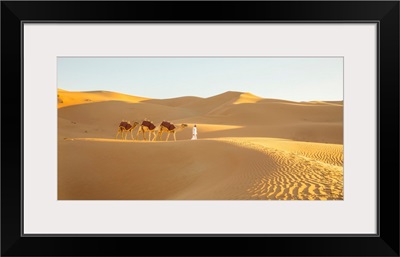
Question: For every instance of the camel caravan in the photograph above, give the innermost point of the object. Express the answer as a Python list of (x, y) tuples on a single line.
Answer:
[(126, 127)]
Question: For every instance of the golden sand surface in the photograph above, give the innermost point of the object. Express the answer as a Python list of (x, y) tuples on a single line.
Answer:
[(248, 148)]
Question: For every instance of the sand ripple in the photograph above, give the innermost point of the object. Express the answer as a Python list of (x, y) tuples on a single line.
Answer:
[(310, 173)]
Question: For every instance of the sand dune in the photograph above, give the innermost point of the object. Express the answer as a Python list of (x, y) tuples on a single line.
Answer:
[(205, 105), (67, 98), (311, 122), (174, 102), (249, 148), (257, 169)]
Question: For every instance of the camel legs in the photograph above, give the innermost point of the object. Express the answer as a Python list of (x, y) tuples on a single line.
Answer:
[(155, 135), (169, 133), (144, 134), (120, 131), (137, 135), (131, 134), (159, 135)]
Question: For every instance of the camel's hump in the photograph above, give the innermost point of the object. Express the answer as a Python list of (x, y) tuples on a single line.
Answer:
[(168, 125), (148, 124)]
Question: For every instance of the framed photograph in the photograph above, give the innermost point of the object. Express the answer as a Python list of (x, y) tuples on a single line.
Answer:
[(266, 128)]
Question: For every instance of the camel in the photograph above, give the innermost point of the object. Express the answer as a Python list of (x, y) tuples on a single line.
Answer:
[(170, 129), (126, 126), (147, 126)]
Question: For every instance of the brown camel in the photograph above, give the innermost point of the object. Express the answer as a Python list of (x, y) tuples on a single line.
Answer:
[(170, 129), (147, 126), (126, 126)]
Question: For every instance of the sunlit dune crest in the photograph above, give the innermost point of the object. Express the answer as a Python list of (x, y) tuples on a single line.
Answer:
[(335, 103), (248, 148), (175, 102), (247, 98), (67, 98)]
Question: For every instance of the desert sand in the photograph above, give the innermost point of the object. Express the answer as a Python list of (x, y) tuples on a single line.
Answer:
[(248, 148)]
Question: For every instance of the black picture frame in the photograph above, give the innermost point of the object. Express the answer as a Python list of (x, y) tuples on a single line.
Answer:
[(384, 13)]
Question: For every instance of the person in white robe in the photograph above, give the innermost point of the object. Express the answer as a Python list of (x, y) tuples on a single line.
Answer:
[(194, 132)]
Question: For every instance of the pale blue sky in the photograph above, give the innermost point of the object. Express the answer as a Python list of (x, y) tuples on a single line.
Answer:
[(295, 79)]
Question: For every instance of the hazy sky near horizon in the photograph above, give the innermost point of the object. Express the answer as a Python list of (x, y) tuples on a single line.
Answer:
[(295, 79)]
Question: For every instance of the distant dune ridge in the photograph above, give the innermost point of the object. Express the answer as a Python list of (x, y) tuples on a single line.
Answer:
[(248, 148)]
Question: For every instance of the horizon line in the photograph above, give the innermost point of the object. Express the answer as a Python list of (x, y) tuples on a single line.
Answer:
[(225, 92)]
